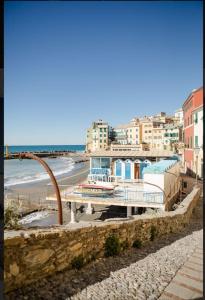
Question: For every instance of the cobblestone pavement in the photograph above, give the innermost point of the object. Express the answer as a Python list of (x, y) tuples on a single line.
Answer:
[(188, 281), (147, 278), (134, 274)]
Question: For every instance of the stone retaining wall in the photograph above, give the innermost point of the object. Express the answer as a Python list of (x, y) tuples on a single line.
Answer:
[(34, 254)]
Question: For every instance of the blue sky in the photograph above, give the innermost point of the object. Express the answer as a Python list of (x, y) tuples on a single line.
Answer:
[(70, 63)]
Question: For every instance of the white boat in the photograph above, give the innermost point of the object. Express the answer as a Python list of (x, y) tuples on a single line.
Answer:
[(94, 190)]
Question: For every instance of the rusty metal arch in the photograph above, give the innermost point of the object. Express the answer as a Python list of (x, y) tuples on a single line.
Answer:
[(53, 180)]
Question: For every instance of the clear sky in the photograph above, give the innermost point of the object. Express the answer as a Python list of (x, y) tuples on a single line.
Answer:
[(70, 63)]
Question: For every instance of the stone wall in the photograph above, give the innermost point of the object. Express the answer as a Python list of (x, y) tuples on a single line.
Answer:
[(34, 254)]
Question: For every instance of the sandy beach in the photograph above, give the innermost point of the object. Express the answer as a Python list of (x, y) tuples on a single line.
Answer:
[(35, 192)]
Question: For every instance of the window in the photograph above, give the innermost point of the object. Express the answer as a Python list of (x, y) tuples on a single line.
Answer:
[(104, 135), (100, 141), (100, 129), (104, 141), (150, 131), (105, 129), (191, 142), (100, 134), (196, 141), (145, 131), (196, 118), (130, 136)]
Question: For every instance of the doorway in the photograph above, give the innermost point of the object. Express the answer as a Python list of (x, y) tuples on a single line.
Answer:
[(137, 171)]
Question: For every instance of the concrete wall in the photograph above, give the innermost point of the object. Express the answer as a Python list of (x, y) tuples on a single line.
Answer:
[(34, 254), (168, 182)]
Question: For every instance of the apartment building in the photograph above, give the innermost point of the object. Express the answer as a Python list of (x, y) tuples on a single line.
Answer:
[(178, 116), (192, 109), (157, 136), (97, 136), (197, 117), (134, 133), (172, 136), (120, 134)]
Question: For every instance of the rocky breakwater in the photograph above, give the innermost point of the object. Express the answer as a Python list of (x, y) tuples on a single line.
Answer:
[(34, 254)]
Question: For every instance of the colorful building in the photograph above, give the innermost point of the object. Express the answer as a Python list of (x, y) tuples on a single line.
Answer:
[(191, 107), (97, 136)]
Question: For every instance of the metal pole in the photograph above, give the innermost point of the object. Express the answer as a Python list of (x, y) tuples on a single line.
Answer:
[(53, 180)]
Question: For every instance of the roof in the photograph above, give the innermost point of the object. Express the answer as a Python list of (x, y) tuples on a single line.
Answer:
[(122, 126), (190, 96), (159, 167), (132, 153)]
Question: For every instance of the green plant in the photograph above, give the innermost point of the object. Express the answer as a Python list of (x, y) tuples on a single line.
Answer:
[(77, 262), (137, 244), (11, 217), (124, 245), (112, 246), (153, 232)]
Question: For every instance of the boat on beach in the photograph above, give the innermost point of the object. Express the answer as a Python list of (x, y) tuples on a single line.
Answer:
[(94, 190)]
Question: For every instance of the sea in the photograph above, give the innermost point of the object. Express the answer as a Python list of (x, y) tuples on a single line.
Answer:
[(18, 172)]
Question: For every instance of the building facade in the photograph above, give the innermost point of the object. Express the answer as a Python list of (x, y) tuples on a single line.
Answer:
[(173, 135), (97, 136), (192, 104)]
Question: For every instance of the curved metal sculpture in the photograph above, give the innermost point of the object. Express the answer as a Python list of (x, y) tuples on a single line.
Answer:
[(52, 177)]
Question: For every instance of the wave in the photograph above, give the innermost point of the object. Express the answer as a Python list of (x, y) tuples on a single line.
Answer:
[(40, 176)]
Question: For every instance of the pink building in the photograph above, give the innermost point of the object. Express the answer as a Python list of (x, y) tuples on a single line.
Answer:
[(192, 103)]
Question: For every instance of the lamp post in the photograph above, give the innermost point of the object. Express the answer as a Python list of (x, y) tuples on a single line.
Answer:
[(196, 151)]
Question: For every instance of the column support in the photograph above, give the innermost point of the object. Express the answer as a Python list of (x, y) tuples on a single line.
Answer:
[(129, 211), (89, 209), (73, 212)]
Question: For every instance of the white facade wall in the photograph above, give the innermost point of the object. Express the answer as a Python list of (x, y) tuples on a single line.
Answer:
[(198, 131), (167, 182)]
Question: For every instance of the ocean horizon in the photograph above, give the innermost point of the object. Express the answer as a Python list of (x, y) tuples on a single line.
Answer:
[(48, 148)]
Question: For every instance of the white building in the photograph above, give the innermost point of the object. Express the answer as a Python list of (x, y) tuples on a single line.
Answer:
[(179, 115), (198, 139)]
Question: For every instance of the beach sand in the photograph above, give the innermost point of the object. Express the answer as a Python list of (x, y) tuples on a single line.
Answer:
[(33, 198)]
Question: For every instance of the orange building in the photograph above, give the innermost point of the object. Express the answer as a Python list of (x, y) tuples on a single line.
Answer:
[(194, 100)]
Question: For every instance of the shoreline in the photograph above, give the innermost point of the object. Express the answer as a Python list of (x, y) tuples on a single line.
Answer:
[(31, 196)]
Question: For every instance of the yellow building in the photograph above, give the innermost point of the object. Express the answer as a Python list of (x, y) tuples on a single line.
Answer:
[(97, 136)]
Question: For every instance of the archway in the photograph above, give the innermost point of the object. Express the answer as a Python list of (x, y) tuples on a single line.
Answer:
[(53, 180)]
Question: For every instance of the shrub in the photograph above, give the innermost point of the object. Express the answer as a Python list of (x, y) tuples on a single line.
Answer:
[(153, 232), (112, 246), (124, 245), (11, 217), (77, 262), (137, 244)]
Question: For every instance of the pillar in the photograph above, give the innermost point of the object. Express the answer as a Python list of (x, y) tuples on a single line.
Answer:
[(135, 210), (89, 209), (73, 212), (129, 211)]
